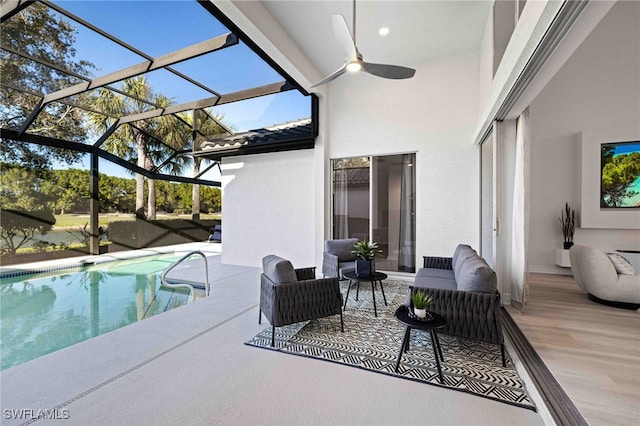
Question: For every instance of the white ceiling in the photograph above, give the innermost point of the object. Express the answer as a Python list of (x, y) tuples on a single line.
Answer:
[(420, 30)]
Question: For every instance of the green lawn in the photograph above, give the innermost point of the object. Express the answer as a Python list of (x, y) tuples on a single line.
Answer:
[(73, 220)]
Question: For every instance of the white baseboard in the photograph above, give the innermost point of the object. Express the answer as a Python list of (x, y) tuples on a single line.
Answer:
[(550, 269), (505, 298)]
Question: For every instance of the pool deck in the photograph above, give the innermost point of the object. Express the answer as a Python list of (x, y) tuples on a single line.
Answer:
[(190, 366)]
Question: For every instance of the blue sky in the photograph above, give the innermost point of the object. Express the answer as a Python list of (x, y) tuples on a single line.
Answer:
[(627, 147), (159, 27)]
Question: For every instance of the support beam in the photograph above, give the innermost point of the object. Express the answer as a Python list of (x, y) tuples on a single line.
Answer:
[(241, 95), (8, 8), (124, 45), (180, 55), (94, 205), (75, 146)]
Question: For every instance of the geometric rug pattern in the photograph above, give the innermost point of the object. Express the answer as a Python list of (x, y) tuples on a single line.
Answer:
[(373, 343)]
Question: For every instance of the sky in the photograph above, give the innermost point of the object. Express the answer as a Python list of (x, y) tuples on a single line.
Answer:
[(627, 147), (160, 27)]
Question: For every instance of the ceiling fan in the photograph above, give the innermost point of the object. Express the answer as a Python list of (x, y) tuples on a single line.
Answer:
[(353, 60)]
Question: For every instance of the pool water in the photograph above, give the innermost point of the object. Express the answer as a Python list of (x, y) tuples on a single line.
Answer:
[(42, 313)]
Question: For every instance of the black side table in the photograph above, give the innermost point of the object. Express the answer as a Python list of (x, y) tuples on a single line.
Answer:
[(438, 322), (373, 278)]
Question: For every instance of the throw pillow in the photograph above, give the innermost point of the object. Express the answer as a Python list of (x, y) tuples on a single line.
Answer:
[(622, 265)]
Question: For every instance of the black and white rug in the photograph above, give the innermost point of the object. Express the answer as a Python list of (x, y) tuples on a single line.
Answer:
[(373, 344)]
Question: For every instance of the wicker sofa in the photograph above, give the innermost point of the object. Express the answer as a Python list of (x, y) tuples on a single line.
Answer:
[(464, 288)]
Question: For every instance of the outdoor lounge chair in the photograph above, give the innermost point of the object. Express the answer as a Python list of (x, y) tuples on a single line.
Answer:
[(337, 258), (289, 295), (216, 235)]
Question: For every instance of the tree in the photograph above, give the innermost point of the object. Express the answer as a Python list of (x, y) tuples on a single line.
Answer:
[(618, 175), (25, 190), (18, 227), (69, 190), (211, 199), (43, 34), (132, 142)]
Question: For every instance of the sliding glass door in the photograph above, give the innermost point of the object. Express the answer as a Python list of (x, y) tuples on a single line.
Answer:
[(374, 200)]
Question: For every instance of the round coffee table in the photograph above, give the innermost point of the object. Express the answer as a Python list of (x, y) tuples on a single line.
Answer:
[(438, 322), (373, 278)]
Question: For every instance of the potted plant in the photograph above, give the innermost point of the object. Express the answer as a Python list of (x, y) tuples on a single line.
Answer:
[(568, 220), (421, 301), (365, 252)]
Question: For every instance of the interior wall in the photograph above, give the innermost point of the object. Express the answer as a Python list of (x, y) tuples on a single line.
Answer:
[(433, 114), (597, 88), (268, 208)]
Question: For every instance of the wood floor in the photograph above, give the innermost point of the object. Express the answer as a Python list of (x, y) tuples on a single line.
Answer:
[(592, 350)]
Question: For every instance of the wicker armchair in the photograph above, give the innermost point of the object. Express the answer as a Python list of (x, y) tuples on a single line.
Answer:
[(289, 295), (470, 314), (337, 258)]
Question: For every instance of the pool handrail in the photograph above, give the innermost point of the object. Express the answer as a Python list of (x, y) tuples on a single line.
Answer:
[(191, 285)]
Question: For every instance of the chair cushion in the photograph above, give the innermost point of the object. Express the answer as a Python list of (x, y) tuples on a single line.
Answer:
[(476, 275), (278, 270), (622, 265), (344, 267), (341, 248)]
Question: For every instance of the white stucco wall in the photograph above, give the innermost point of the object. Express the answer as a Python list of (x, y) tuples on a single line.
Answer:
[(434, 115), (598, 88), (272, 202), (269, 208)]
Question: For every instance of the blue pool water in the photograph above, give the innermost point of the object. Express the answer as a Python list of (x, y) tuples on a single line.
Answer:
[(42, 313)]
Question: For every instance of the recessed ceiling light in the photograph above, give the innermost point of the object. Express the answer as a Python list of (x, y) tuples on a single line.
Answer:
[(383, 31)]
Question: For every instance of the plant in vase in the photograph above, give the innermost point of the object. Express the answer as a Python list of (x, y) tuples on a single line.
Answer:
[(365, 252), (568, 220), (421, 301)]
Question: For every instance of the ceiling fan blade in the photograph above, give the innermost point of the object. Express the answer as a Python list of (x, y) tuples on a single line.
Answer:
[(337, 73), (343, 37), (388, 71)]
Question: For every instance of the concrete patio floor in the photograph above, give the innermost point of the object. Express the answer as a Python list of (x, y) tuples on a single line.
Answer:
[(189, 366)]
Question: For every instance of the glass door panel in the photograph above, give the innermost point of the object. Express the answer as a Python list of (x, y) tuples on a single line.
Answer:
[(374, 200), (351, 194), (393, 212), (486, 220)]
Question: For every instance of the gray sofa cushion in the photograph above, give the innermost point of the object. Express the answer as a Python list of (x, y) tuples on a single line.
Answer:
[(278, 270), (476, 275), (436, 273), (456, 252), (434, 282), (341, 248), (464, 253)]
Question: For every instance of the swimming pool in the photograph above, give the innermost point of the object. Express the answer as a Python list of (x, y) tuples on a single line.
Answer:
[(42, 313)]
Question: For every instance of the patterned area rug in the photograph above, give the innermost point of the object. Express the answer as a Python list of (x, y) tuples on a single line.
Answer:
[(373, 344)]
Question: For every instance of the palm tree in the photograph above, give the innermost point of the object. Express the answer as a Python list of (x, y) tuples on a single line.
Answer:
[(208, 125), (132, 141), (202, 125)]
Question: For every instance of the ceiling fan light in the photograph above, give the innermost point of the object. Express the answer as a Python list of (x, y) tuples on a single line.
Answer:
[(354, 66)]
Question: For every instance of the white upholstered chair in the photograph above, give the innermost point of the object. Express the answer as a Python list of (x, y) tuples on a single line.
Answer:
[(605, 282)]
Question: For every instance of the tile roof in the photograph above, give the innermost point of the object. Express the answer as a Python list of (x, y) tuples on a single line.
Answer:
[(286, 136), (355, 176)]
